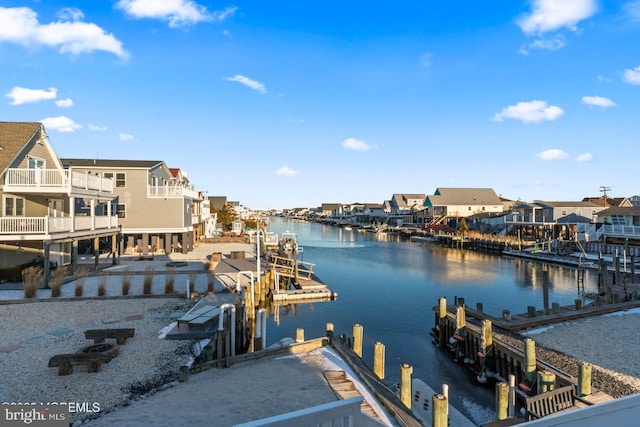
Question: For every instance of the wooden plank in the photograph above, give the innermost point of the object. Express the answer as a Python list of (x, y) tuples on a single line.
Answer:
[(345, 389)]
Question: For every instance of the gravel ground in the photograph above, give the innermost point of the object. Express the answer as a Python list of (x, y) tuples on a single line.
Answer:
[(609, 343), (143, 363)]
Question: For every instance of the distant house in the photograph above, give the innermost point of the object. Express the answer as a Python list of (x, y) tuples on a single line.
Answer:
[(48, 209), (329, 209), (551, 212), (448, 204), (610, 202)]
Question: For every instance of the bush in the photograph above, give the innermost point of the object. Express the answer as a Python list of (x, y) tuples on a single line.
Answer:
[(169, 281), (126, 282), (56, 279), (149, 272), (102, 286), (32, 277), (80, 277)]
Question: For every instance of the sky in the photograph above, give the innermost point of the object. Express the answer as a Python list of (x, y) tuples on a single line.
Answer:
[(283, 104)]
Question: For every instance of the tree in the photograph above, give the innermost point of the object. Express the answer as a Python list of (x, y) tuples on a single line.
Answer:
[(463, 228), (225, 216)]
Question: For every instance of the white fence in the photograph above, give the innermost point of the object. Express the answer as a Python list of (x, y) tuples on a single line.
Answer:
[(55, 179), (341, 413), (48, 225)]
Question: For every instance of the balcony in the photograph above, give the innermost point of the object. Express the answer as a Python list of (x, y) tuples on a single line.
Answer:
[(54, 181), (170, 192), (47, 226)]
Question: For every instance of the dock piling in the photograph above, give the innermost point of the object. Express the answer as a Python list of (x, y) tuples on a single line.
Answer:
[(357, 339), (378, 359), (299, 335), (406, 371), (530, 360), (584, 379), (502, 401), (440, 414)]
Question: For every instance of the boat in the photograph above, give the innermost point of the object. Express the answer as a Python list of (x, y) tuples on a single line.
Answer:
[(288, 243)]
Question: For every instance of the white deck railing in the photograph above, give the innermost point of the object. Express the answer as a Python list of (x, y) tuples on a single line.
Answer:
[(55, 179), (50, 225), (591, 232), (170, 191), (341, 413)]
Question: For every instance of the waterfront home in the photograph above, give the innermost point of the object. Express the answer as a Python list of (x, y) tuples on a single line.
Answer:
[(448, 205), (404, 208), (542, 212), (616, 224), (156, 210), (609, 202), (48, 208)]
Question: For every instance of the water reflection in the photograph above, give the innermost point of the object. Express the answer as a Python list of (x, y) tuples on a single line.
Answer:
[(389, 285)]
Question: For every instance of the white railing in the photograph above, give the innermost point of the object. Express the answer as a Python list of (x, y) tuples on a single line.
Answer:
[(621, 230), (170, 191), (49, 225), (55, 179), (341, 413)]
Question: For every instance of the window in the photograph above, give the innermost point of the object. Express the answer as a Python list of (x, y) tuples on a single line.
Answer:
[(121, 210), (108, 175), (618, 220), (13, 206), (36, 163), (563, 212), (121, 179)]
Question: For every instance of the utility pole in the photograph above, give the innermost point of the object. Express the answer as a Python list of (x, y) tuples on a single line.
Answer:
[(604, 189)]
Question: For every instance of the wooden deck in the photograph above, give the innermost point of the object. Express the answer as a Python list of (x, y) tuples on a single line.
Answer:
[(345, 389)]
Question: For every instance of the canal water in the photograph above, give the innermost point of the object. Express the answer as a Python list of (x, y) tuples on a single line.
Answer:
[(389, 285)]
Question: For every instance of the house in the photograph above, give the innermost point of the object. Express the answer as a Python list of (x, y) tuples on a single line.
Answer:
[(542, 212), (609, 201), (154, 206), (450, 204), (49, 209), (403, 208)]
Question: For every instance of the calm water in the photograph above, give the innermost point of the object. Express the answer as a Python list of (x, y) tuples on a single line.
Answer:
[(390, 286)]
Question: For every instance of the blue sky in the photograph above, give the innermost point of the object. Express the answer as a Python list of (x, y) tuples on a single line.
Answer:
[(292, 103)]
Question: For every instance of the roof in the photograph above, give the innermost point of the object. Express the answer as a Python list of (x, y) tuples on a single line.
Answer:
[(464, 196), (174, 171), (573, 219), (112, 163), (617, 210), (13, 136), (569, 204), (611, 201)]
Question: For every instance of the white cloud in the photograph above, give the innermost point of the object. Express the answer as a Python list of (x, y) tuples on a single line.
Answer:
[(552, 154), (552, 15), (555, 43), (530, 112), (356, 145), (178, 13), (586, 157), (70, 14), (425, 60), (253, 84), (285, 171), (125, 137), (97, 128), (598, 101), (64, 103), (632, 10), (61, 124), (632, 76), (20, 25), (22, 95)]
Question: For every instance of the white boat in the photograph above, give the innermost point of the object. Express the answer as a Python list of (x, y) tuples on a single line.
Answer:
[(288, 243)]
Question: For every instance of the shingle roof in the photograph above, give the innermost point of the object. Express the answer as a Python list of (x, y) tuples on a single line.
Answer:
[(464, 196), (617, 210), (13, 136)]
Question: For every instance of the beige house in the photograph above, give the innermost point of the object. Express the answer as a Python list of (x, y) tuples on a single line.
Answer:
[(49, 209), (456, 203), (157, 208)]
